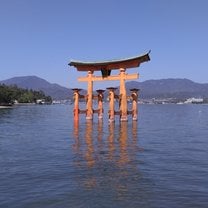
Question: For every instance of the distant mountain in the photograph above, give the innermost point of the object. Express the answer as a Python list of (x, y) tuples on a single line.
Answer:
[(33, 82), (169, 88), (162, 88)]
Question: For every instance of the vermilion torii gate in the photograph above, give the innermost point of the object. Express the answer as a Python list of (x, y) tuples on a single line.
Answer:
[(105, 67)]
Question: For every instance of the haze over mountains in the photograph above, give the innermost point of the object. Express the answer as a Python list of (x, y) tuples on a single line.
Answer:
[(163, 88)]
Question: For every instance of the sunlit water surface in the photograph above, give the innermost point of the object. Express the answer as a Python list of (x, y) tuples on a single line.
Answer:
[(47, 160)]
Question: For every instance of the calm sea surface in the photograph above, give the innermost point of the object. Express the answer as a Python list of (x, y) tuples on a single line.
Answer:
[(47, 160)]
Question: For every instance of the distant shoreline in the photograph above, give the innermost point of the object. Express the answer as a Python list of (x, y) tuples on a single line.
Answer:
[(5, 106)]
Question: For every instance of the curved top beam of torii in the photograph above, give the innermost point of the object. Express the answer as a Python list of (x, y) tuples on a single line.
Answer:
[(110, 65)]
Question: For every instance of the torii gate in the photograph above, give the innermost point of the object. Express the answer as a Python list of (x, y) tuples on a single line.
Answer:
[(105, 67)]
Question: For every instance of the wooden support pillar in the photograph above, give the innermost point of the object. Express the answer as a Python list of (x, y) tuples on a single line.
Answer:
[(100, 103), (89, 110), (76, 103), (111, 111), (134, 96), (123, 97)]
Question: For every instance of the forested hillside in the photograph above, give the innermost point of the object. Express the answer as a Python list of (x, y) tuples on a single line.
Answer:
[(10, 94)]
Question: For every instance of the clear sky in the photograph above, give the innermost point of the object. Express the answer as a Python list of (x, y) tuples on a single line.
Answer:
[(40, 37)]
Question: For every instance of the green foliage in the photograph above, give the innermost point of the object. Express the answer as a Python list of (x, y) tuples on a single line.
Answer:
[(8, 94)]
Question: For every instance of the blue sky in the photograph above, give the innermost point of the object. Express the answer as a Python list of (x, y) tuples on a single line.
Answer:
[(40, 37)]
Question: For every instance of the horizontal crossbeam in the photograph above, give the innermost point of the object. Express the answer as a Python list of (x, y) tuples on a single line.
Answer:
[(109, 78)]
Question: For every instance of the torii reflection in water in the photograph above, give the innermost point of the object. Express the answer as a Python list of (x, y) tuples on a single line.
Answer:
[(116, 144), (106, 155)]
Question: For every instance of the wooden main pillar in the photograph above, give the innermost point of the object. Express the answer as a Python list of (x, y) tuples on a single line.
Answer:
[(89, 109), (100, 103), (111, 111), (134, 96), (76, 103), (123, 97)]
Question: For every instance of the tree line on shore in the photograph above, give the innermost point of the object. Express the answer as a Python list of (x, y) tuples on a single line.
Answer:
[(11, 94)]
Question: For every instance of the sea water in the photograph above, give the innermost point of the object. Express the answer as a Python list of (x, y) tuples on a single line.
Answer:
[(48, 160)]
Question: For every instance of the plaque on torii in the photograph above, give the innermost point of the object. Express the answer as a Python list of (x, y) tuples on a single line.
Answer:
[(106, 67)]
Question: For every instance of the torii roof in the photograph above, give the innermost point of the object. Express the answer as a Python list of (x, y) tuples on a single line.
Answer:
[(109, 65)]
